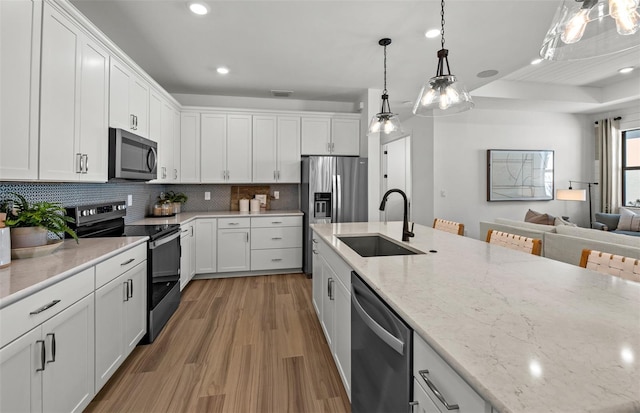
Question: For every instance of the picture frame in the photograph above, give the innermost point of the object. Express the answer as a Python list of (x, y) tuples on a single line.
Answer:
[(520, 175)]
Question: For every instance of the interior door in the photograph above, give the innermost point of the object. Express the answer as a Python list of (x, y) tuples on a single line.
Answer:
[(396, 173)]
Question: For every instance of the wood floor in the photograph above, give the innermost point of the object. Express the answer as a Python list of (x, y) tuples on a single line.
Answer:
[(251, 344)]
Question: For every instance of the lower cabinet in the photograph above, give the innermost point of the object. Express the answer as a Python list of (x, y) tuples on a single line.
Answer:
[(234, 251), (421, 402), (188, 254), (50, 368), (205, 245)]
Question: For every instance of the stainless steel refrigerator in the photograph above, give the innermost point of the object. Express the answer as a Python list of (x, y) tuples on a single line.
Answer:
[(334, 189)]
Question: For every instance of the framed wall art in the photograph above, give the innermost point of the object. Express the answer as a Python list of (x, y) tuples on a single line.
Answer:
[(519, 175)]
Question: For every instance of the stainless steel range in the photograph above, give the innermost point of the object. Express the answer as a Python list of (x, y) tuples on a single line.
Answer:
[(163, 256)]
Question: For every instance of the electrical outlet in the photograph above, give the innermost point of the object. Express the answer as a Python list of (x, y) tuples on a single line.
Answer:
[(207, 196), (276, 194), (129, 200)]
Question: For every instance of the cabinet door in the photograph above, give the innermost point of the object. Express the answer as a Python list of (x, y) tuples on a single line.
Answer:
[(155, 118), (316, 277), (135, 307), (119, 78), (167, 138), (288, 146), (94, 110), (59, 91), (214, 148), (109, 300), (239, 148), (192, 251), (20, 79), (190, 147), (315, 137), (139, 105), (206, 232), (20, 383), (423, 403), (185, 261), (176, 146), (327, 320), (234, 252), (264, 149), (67, 382), (345, 135), (342, 336)]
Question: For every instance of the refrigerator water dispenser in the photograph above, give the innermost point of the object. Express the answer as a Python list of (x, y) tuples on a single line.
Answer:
[(322, 205)]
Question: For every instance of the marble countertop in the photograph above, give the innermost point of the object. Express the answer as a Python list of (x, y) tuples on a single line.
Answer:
[(185, 217), (529, 334), (24, 277)]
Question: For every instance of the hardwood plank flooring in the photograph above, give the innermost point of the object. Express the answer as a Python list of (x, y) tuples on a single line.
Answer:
[(251, 344)]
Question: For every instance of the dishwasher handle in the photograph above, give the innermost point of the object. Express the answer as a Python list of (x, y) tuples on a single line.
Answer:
[(389, 339)]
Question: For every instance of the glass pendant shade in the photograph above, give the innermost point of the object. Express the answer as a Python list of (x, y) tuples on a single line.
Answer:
[(441, 96), (591, 28), (386, 123)]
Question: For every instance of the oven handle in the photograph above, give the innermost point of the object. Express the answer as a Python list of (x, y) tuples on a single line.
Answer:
[(162, 241)]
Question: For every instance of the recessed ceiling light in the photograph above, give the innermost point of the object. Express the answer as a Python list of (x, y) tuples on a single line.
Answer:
[(433, 33), (198, 8), (487, 73), (626, 70), (222, 70), (536, 61)]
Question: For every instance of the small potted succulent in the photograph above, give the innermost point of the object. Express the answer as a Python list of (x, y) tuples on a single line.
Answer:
[(177, 199), (30, 223)]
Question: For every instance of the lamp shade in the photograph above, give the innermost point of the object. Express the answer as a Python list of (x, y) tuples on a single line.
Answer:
[(386, 123), (441, 96), (571, 194)]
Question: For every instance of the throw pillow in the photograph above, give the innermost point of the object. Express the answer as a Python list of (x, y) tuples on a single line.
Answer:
[(560, 221), (629, 220), (539, 218)]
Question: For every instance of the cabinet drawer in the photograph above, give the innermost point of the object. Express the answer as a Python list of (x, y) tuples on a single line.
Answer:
[(276, 259), (452, 387), (114, 266), (339, 266), (17, 318), (265, 222), (234, 223), (285, 237)]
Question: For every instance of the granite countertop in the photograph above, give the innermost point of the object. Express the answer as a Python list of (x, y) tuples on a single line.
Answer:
[(529, 334), (185, 217), (24, 277)]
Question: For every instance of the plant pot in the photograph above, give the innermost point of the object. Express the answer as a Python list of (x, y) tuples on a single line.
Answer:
[(176, 207), (3, 217), (25, 237)]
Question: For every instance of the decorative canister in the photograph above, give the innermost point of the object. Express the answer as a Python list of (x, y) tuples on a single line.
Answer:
[(244, 205), (255, 205), (5, 247)]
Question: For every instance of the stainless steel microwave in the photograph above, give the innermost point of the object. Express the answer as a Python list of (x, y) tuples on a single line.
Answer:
[(131, 156)]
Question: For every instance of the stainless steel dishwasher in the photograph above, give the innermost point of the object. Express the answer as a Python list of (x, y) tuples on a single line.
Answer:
[(381, 350)]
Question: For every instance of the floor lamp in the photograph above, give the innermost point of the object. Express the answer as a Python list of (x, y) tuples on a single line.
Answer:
[(577, 195)]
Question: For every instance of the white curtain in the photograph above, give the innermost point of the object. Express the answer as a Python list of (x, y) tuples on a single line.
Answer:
[(609, 146)]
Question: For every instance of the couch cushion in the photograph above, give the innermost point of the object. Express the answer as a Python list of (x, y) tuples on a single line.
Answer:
[(610, 220), (568, 249), (629, 220), (560, 221), (538, 218), (528, 225), (595, 234)]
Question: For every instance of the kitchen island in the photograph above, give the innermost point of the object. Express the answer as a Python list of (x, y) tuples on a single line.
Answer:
[(527, 333)]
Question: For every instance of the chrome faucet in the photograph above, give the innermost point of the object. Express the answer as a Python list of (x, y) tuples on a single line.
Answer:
[(406, 234)]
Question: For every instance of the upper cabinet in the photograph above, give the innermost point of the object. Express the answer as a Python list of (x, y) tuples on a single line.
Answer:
[(276, 149), (129, 100), (20, 79), (225, 145), (162, 116), (326, 135), (73, 102), (190, 147)]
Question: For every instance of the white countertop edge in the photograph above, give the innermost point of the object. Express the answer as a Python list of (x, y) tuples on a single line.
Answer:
[(25, 292), (186, 217)]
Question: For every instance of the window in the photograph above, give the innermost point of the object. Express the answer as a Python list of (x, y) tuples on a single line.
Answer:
[(631, 167)]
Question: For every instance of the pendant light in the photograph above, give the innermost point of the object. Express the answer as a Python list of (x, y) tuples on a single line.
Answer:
[(589, 28), (386, 122), (442, 94)]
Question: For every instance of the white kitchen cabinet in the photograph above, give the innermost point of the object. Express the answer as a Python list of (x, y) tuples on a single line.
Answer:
[(190, 147), (188, 256), (276, 243), (316, 279), (50, 368), (128, 100), (206, 245), (226, 148), (330, 135), (234, 249), (73, 102), (176, 146), (162, 131), (121, 310), (421, 402), (276, 149), (342, 331), (329, 279), (20, 38)]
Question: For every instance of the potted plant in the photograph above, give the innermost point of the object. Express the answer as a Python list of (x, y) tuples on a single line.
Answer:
[(177, 199), (30, 223)]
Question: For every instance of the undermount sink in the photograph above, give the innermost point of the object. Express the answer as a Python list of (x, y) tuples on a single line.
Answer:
[(375, 246)]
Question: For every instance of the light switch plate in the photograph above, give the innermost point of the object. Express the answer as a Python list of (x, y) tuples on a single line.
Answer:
[(276, 194), (129, 200), (207, 196)]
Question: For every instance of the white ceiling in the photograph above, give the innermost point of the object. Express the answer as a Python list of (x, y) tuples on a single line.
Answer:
[(328, 50)]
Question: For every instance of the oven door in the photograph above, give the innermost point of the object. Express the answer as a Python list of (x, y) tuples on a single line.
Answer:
[(164, 257)]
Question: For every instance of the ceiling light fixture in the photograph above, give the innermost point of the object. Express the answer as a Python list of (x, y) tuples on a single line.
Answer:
[(385, 121), (198, 8), (625, 70), (222, 70), (442, 94), (589, 28)]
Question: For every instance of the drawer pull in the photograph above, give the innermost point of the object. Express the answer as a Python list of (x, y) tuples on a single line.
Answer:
[(276, 222), (412, 405), (276, 238), (127, 262), (53, 347), (315, 241), (276, 259), (42, 355), (44, 307), (434, 389), (315, 252), (234, 223)]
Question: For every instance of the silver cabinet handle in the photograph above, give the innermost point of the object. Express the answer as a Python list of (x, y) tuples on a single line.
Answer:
[(247, 236), (434, 389), (276, 259), (184, 231), (315, 241), (274, 175), (127, 262), (133, 122), (329, 287), (278, 175), (79, 165), (315, 252), (126, 290), (86, 163), (329, 147), (228, 175), (42, 355), (164, 172), (233, 223), (332, 295), (175, 174), (44, 307), (130, 281), (53, 347), (276, 238), (412, 405), (276, 222)]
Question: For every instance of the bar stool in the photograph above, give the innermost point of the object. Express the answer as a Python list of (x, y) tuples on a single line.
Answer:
[(515, 242), (448, 226), (616, 265)]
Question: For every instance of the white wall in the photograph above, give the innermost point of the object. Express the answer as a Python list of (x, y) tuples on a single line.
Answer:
[(422, 168), (459, 148)]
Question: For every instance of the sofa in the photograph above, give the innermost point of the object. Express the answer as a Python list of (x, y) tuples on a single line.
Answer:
[(565, 242), (609, 222)]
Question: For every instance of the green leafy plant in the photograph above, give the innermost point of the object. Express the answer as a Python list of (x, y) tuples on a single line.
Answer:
[(174, 197), (48, 215)]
